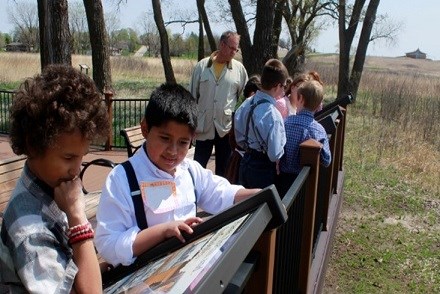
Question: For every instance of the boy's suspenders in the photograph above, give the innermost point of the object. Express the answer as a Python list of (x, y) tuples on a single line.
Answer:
[(249, 117), (136, 196)]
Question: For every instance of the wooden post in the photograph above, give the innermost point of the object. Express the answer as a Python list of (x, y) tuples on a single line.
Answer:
[(108, 96), (327, 182), (339, 151), (309, 156), (261, 280)]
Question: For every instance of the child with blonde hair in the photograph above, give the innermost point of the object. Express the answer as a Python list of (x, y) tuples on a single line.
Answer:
[(299, 128)]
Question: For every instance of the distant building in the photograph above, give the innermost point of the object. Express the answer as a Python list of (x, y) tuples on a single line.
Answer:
[(416, 54), (17, 47), (114, 51)]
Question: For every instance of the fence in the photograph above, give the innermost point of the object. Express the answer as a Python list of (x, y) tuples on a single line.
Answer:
[(5, 104), (294, 257), (123, 113)]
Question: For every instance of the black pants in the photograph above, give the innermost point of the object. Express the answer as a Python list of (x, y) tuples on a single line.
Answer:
[(283, 181), (203, 152), (256, 170)]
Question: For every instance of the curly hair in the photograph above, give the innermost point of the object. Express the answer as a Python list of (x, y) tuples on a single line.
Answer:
[(59, 100)]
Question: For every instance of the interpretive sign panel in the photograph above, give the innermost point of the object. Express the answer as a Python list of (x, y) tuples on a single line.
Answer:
[(213, 252)]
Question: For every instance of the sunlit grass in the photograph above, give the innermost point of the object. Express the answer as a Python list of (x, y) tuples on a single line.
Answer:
[(132, 76)]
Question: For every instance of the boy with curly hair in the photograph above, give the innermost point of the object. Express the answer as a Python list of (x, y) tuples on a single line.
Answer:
[(45, 231)]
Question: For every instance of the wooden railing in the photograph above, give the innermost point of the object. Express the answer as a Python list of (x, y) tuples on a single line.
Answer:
[(294, 257)]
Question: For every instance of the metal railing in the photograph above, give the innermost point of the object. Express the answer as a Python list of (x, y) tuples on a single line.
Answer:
[(123, 113), (5, 103)]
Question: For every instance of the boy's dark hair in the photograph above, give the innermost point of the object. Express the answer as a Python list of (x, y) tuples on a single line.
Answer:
[(169, 102), (252, 85), (274, 73), (312, 93), (60, 99)]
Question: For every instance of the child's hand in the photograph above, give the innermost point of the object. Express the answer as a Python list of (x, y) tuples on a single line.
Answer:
[(175, 228), (69, 198), (193, 221)]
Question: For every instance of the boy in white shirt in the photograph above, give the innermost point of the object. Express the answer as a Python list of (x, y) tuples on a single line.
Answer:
[(171, 186)]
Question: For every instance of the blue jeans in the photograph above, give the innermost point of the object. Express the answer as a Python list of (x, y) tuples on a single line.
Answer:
[(256, 171), (203, 152)]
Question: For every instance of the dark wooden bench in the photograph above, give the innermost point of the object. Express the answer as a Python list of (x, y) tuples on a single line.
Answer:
[(10, 172), (11, 169), (133, 139)]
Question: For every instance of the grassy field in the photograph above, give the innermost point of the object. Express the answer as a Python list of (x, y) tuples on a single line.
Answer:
[(388, 236), (132, 77)]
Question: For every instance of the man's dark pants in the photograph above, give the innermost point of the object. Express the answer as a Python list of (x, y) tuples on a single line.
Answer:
[(203, 152)]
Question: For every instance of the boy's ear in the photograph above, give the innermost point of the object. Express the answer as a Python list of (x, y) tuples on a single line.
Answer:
[(144, 128)]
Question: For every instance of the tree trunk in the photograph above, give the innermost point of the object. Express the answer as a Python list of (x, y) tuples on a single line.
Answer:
[(204, 16), (43, 21), (364, 41), (257, 53), (344, 53), (54, 32), (295, 58), (278, 19), (201, 46), (300, 17), (346, 36), (99, 42), (164, 48)]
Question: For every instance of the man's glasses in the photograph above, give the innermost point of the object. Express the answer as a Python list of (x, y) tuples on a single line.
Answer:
[(231, 47)]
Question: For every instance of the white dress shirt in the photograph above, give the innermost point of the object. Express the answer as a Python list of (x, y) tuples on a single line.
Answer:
[(116, 221)]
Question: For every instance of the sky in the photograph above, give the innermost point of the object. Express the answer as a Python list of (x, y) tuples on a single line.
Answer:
[(420, 22)]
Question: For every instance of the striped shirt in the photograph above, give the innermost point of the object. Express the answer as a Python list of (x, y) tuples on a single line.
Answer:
[(33, 231)]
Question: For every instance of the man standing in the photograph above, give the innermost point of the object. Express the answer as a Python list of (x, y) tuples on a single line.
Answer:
[(216, 83)]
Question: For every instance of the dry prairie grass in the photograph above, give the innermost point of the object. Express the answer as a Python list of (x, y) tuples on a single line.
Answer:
[(387, 236), (388, 65), (18, 66)]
